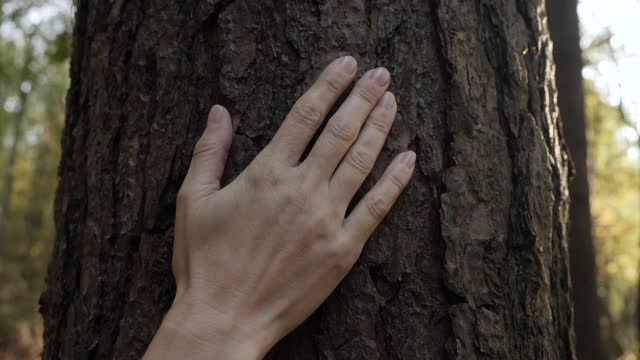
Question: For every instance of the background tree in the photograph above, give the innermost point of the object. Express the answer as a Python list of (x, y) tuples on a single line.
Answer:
[(32, 83), (616, 201), (613, 136), (471, 263), (565, 32)]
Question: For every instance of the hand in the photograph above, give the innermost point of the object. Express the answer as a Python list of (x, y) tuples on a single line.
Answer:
[(254, 259)]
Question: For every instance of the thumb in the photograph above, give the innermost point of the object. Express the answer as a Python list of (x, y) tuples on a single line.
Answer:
[(210, 153)]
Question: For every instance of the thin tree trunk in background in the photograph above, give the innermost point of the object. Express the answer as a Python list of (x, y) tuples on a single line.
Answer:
[(563, 24), (17, 124), (471, 263)]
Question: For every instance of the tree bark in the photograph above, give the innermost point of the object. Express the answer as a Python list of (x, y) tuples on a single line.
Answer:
[(565, 32), (470, 264)]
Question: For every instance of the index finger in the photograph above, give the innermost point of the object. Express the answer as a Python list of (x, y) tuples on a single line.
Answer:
[(309, 111)]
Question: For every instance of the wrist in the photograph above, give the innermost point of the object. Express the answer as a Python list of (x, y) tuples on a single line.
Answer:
[(194, 329)]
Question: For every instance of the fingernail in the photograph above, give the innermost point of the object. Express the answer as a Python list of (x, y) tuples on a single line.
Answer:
[(381, 76), (387, 101), (348, 64), (409, 159)]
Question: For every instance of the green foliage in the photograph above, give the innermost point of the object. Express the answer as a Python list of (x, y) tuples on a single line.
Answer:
[(33, 80), (614, 165), (59, 50)]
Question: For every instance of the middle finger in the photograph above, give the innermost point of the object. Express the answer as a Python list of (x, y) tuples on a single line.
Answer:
[(343, 127)]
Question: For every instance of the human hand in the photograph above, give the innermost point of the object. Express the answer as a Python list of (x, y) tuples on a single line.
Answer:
[(254, 259)]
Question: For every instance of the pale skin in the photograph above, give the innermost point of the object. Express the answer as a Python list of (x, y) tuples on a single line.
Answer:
[(255, 258)]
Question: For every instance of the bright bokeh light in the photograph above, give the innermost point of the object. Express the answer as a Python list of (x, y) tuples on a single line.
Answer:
[(611, 43), (618, 80)]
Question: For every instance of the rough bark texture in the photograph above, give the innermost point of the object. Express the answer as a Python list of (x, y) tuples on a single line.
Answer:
[(565, 32), (470, 264)]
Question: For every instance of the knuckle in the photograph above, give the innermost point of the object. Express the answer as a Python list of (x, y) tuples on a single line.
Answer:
[(307, 115), (360, 161), (396, 181), (307, 180), (288, 195), (325, 223), (377, 207), (295, 196), (254, 179), (339, 257), (176, 266), (205, 146), (261, 177), (333, 84), (351, 254), (183, 196), (380, 123), (366, 94), (342, 131), (177, 263)]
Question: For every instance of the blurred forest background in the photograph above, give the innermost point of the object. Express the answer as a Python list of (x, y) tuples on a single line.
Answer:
[(35, 41)]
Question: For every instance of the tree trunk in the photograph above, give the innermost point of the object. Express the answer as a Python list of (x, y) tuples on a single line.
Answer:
[(565, 32), (470, 264), (17, 125)]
